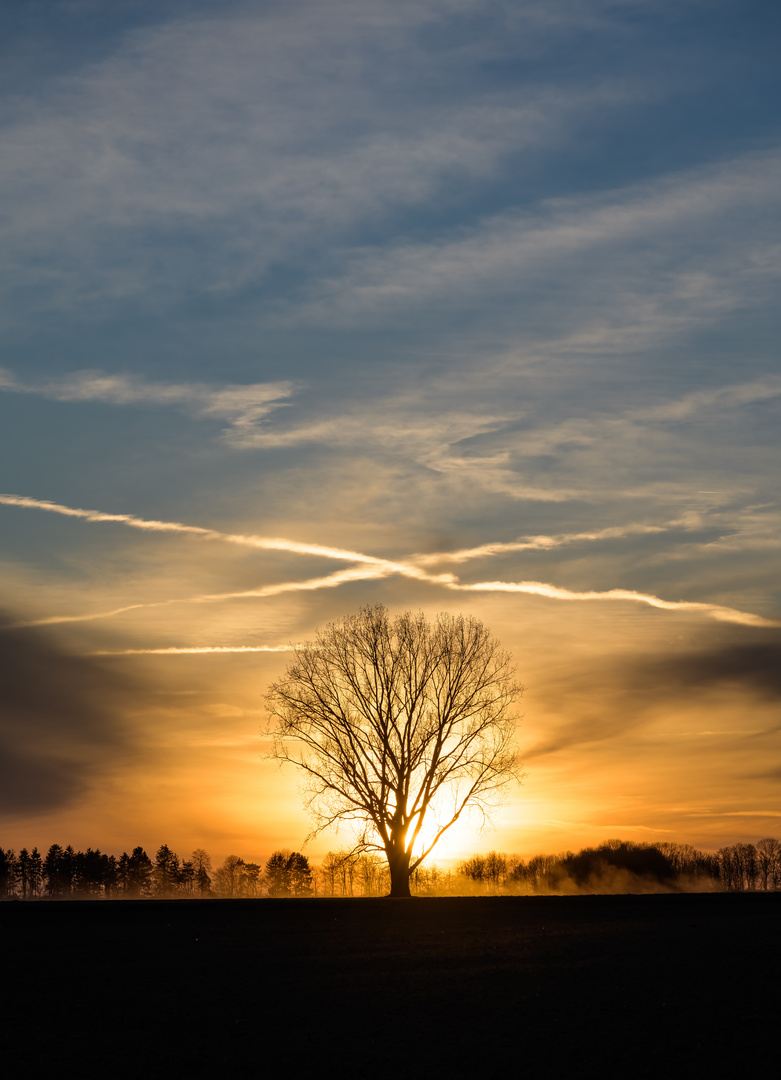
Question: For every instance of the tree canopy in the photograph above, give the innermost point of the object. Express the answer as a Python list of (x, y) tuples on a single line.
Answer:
[(397, 722)]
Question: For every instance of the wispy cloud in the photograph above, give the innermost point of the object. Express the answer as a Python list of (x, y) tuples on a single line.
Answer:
[(242, 406), (212, 129), (714, 399), (514, 250)]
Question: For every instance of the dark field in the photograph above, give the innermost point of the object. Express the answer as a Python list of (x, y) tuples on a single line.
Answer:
[(598, 986)]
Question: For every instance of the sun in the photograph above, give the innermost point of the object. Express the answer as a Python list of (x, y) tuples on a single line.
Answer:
[(450, 845)]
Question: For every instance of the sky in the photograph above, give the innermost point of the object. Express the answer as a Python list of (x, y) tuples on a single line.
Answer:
[(453, 305)]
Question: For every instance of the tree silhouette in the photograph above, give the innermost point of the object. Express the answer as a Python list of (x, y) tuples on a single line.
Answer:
[(23, 872), (768, 854), (202, 865), (187, 877), (228, 877), (396, 723), (7, 872), (166, 871), (68, 868), (288, 873), (139, 867), (276, 874), (35, 872), (251, 879), (53, 871), (299, 874), (613, 866)]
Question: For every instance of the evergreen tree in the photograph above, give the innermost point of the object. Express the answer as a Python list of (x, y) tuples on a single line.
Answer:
[(277, 875), (90, 872), (166, 871), (123, 873), (299, 874), (35, 873), (288, 873), (110, 875), (23, 873), (187, 878), (8, 863), (52, 870), (139, 873), (68, 870)]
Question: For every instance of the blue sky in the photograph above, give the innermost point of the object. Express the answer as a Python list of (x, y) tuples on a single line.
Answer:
[(484, 294)]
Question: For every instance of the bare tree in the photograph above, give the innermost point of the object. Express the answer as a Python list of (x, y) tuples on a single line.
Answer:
[(768, 852), (251, 875), (202, 865), (495, 869), (396, 723), (228, 877)]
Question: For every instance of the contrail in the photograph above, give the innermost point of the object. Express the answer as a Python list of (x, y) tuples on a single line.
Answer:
[(553, 592), (330, 581), (51, 620), (372, 567), (531, 588), (539, 543), (176, 651), (266, 543)]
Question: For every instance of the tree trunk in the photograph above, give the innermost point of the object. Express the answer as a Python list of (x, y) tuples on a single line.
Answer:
[(398, 864)]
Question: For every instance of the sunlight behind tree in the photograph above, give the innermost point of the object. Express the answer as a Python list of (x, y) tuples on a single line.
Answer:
[(399, 726)]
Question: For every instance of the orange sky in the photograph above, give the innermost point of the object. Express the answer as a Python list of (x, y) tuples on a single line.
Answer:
[(631, 726), (446, 305)]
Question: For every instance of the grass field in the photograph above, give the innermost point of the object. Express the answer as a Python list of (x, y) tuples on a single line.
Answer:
[(552, 986)]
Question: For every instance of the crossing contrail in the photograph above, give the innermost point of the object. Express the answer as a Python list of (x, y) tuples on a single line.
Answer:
[(371, 567), (265, 543)]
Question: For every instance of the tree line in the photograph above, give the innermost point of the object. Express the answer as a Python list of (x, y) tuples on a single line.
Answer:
[(614, 866), (623, 866), (64, 873)]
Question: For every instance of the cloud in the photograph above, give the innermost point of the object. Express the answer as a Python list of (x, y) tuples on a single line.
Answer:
[(691, 272), (62, 729), (482, 447), (593, 450), (754, 666), (243, 406), (714, 399), (260, 139), (608, 701)]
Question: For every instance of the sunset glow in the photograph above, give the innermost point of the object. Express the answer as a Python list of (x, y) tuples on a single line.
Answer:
[(447, 306)]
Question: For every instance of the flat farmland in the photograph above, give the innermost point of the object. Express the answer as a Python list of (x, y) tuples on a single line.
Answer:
[(598, 985)]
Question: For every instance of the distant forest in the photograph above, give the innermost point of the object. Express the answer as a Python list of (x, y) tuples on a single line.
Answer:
[(616, 866)]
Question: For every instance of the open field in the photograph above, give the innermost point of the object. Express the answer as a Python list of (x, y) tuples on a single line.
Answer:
[(605, 985)]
